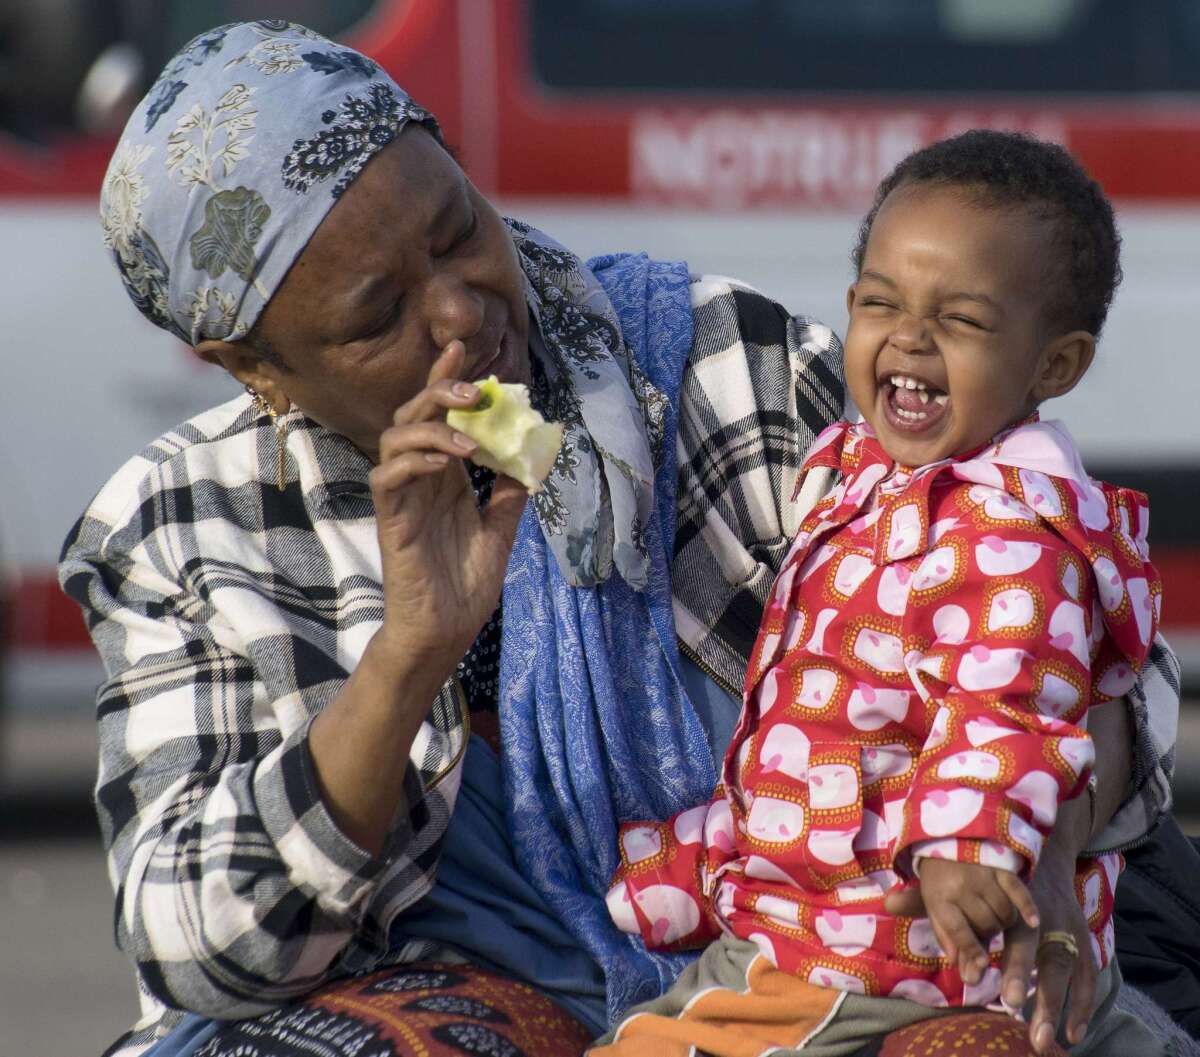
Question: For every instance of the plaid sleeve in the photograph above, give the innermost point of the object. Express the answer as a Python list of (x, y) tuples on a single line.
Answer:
[(1154, 709), (758, 388), (235, 888)]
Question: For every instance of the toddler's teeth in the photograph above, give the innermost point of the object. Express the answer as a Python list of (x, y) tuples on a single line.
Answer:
[(941, 398), (924, 396)]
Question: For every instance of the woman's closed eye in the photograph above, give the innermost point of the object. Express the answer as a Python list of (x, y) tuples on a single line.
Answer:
[(463, 237), (383, 322)]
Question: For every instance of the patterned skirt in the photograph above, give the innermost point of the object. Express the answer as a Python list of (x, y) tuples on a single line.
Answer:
[(415, 1011)]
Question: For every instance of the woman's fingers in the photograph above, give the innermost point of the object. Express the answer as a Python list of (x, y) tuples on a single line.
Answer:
[(1060, 972), (1083, 997), (449, 364), (508, 499), (443, 390), (1083, 989), (390, 477), (424, 436), (503, 511), (1018, 963), (435, 400), (1054, 969)]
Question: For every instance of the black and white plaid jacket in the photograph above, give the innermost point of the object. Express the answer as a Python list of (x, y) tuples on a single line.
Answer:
[(228, 613)]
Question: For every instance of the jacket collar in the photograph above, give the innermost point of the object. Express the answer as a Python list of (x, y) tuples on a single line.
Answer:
[(1035, 450), (1031, 471)]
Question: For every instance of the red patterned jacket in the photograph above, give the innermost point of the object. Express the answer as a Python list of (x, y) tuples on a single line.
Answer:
[(919, 687)]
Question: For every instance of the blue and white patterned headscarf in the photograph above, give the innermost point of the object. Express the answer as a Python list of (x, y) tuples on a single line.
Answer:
[(231, 162)]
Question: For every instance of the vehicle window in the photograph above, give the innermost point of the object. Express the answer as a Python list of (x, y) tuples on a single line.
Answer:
[(48, 50), (185, 18), (875, 47)]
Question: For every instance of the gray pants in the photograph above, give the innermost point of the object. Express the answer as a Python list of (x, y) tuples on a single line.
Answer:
[(856, 1020)]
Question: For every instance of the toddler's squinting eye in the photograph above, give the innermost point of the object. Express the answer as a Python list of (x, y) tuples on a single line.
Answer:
[(968, 321)]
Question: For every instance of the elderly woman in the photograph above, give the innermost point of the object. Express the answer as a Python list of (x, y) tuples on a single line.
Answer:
[(326, 834)]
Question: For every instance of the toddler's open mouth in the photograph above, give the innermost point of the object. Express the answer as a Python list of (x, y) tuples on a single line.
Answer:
[(912, 405)]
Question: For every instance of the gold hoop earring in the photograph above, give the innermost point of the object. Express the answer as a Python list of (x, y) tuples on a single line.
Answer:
[(280, 424)]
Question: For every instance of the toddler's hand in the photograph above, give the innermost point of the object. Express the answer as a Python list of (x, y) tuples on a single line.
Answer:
[(968, 904)]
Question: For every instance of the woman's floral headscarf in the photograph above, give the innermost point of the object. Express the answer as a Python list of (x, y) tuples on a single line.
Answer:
[(231, 162)]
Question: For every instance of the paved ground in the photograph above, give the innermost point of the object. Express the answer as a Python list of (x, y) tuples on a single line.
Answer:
[(64, 989)]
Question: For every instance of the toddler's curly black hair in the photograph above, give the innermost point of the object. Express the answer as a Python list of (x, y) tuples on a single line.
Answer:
[(1013, 170)]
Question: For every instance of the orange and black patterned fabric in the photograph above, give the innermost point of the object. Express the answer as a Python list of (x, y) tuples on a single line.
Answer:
[(965, 1035), (423, 1010)]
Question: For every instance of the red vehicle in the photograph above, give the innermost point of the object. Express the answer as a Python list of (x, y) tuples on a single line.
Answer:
[(743, 135)]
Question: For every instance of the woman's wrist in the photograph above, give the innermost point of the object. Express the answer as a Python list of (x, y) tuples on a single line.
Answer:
[(1072, 829), (362, 738), (395, 657), (1112, 731)]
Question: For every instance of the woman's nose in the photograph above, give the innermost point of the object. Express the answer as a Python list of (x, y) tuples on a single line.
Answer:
[(910, 334), (453, 308)]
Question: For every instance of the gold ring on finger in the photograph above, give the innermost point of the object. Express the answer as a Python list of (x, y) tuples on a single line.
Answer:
[(1062, 939)]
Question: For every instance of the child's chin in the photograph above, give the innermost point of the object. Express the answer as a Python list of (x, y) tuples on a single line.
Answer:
[(913, 451)]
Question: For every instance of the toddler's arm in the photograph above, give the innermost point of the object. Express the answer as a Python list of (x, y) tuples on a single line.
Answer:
[(660, 889)]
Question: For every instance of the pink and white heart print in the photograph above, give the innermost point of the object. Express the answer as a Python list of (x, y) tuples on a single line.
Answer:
[(917, 688)]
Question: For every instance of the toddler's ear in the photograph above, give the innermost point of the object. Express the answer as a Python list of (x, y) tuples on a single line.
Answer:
[(1064, 361)]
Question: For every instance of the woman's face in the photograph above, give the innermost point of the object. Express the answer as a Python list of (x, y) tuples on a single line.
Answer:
[(411, 258)]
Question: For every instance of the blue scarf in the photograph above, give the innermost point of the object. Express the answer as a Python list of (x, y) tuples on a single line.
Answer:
[(596, 725)]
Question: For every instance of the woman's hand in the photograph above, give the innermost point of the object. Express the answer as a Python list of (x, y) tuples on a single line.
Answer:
[(1053, 889), (443, 558), (1079, 822), (443, 566)]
